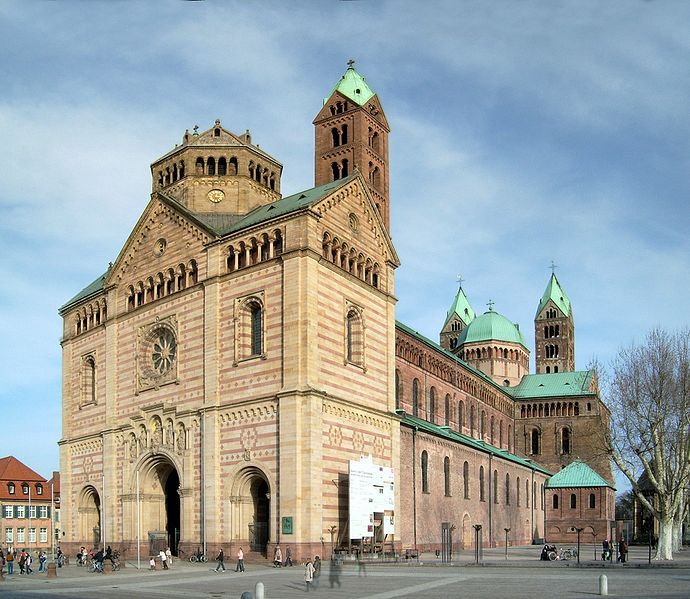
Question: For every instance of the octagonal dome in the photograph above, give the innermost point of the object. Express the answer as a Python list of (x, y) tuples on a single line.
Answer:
[(491, 326)]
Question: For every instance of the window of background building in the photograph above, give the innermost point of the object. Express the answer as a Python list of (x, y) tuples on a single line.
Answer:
[(21, 535), (32, 535), (43, 535), (9, 536), (42, 511), (32, 511), (20, 512), (8, 511)]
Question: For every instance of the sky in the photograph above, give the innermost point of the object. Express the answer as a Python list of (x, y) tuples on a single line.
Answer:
[(521, 133)]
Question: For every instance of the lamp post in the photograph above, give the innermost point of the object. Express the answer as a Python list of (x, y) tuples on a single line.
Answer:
[(594, 535), (332, 530), (477, 542), (507, 531), (579, 530)]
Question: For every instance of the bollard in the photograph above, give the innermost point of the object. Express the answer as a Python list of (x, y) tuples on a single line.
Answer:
[(259, 590), (246, 595), (603, 585), (52, 570)]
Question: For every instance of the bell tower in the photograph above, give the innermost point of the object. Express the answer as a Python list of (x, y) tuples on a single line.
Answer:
[(554, 331), (351, 132)]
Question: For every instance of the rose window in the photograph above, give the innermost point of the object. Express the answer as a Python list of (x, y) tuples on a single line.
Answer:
[(164, 350)]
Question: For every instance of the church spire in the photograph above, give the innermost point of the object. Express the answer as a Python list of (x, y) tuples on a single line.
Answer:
[(459, 315), (554, 330), (351, 132)]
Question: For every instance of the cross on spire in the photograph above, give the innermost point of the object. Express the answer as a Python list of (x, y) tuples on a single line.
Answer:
[(350, 64), (460, 281), (553, 267), (490, 303)]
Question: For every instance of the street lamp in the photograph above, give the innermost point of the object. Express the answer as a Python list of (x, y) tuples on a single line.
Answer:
[(579, 530), (477, 541), (507, 531), (332, 530)]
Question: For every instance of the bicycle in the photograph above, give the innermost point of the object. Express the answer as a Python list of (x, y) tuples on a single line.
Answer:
[(95, 566), (198, 557), (563, 554)]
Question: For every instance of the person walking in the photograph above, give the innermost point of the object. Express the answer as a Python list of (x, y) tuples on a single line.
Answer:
[(309, 574), (42, 558), (288, 556), (317, 572), (27, 564), (240, 561), (277, 557), (622, 550), (168, 554), (220, 558), (10, 561), (164, 559)]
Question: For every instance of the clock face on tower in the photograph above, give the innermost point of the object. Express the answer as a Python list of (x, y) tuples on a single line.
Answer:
[(216, 195)]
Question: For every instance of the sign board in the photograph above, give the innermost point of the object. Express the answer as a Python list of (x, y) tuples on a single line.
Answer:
[(287, 525), (372, 491)]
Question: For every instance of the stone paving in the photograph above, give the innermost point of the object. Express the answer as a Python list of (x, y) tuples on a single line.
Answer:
[(522, 575)]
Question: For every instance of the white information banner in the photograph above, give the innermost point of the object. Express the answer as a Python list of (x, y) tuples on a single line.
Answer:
[(372, 491)]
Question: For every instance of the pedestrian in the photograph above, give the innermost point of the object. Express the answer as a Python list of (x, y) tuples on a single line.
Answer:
[(27, 564), (309, 574), (288, 556), (334, 572), (42, 558), (277, 557), (605, 550), (240, 561), (152, 563), (168, 554), (164, 559), (22, 562), (220, 558), (317, 572), (622, 550), (10, 561)]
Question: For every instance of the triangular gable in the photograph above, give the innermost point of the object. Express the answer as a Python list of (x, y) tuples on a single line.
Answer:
[(357, 186), (372, 107), (11, 469), (159, 207)]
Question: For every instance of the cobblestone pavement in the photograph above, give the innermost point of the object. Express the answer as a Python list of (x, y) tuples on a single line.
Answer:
[(522, 575)]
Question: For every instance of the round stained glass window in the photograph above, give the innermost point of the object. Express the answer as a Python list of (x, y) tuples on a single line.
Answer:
[(164, 351)]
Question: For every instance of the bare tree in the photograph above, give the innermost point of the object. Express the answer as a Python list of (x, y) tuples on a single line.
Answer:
[(648, 393)]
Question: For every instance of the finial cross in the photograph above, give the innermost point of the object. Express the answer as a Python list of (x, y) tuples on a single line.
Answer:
[(490, 303), (460, 281), (350, 64), (553, 267)]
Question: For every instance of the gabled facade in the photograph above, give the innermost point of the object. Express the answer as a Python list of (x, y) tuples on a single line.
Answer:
[(26, 508), (460, 314)]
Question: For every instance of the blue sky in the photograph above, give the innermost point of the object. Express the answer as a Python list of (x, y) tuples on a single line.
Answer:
[(522, 132)]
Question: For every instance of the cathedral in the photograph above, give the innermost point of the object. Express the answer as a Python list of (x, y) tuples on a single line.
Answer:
[(238, 372)]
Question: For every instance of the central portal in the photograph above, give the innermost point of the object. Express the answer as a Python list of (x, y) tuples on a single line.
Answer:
[(172, 510), (258, 529)]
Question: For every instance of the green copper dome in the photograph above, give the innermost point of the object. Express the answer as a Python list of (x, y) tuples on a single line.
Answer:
[(491, 326), (353, 86)]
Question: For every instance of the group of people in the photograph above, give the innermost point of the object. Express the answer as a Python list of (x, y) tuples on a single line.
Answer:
[(24, 560), (220, 559), (312, 569), (607, 550)]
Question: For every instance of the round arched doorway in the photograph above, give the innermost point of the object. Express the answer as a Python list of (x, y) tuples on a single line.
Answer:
[(159, 504), (90, 517), (253, 501)]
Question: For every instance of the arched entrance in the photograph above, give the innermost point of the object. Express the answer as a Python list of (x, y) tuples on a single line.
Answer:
[(252, 499), (159, 503), (90, 517), (466, 532)]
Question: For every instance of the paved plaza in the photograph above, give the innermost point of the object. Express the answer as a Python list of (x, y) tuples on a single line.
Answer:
[(522, 575)]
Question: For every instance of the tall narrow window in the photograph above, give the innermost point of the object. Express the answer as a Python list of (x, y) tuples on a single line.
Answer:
[(446, 476), (527, 493), (534, 442), (482, 497), (472, 421), (554, 501), (517, 491), (89, 393), (397, 389), (415, 397), (211, 166), (354, 338), (447, 410), (573, 501), (466, 480), (425, 472), (507, 489), (592, 501), (461, 415), (565, 441), (256, 326), (432, 406), (495, 489)]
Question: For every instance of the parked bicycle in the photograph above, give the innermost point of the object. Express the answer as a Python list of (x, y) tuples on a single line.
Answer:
[(198, 557)]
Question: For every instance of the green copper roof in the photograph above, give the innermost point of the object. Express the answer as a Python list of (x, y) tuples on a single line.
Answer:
[(448, 433), (555, 293), (89, 290), (559, 384), (575, 475), (492, 326), (353, 86), (460, 307)]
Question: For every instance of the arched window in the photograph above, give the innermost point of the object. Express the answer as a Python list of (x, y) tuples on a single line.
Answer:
[(25, 488), (461, 415), (397, 389), (495, 486), (354, 337), (527, 493), (491, 430), (446, 476), (481, 484), (472, 421), (541, 496), (507, 489), (425, 472), (534, 442), (335, 137), (415, 397), (517, 490), (343, 135), (335, 169), (256, 328), (534, 495), (510, 438), (565, 441), (211, 166), (447, 410), (232, 166), (89, 392), (466, 480), (573, 501), (482, 425), (554, 501), (10, 488), (592, 501), (432, 405), (345, 169), (199, 166), (39, 489), (222, 166), (500, 434)]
